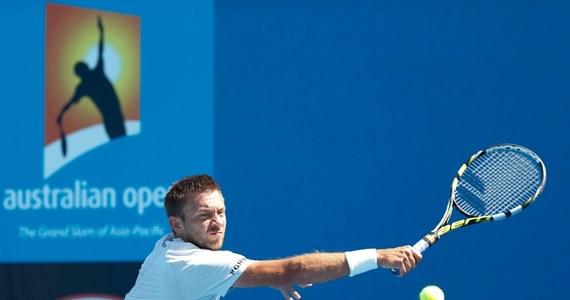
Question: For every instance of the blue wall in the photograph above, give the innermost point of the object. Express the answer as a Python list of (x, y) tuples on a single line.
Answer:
[(339, 125)]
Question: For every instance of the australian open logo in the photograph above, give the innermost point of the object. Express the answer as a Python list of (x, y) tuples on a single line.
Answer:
[(92, 82)]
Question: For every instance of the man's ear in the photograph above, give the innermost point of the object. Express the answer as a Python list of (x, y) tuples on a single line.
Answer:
[(176, 224)]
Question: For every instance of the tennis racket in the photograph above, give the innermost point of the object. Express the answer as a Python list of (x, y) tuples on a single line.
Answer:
[(63, 141), (494, 184)]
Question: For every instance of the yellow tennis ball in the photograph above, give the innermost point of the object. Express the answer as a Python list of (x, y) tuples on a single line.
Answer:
[(431, 292)]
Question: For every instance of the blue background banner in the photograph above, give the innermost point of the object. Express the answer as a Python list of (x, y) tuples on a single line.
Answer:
[(331, 126), (105, 205)]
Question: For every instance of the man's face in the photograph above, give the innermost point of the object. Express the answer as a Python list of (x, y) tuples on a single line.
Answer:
[(204, 222)]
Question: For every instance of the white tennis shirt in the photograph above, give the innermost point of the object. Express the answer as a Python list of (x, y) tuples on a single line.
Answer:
[(179, 270)]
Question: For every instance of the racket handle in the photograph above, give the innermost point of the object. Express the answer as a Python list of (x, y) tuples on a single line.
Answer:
[(421, 246)]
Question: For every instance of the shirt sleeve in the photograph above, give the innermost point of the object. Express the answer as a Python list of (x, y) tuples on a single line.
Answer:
[(206, 273)]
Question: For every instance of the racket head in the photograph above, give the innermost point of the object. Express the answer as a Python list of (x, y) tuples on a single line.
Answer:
[(499, 181)]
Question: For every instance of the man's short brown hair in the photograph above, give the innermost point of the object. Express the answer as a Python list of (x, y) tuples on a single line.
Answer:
[(185, 188)]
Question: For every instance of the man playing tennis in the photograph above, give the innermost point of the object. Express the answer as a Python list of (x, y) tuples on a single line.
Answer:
[(188, 263)]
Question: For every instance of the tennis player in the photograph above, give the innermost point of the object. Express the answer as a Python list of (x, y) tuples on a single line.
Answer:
[(188, 263)]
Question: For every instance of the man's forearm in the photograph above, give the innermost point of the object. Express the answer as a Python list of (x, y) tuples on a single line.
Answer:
[(317, 267), (303, 269)]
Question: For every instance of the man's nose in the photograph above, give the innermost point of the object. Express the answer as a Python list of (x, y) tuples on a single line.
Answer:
[(217, 219)]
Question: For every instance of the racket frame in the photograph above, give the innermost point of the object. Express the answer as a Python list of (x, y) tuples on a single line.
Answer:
[(444, 226)]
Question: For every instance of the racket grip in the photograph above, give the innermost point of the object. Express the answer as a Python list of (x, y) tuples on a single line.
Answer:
[(421, 246)]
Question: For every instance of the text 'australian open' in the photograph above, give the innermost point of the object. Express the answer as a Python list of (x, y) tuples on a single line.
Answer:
[(83, 196)]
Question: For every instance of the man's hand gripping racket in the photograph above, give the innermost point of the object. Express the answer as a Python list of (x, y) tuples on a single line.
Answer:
[(492, 185)]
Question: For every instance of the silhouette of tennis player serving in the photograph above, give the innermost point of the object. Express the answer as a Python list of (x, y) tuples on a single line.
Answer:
[(95, 85)]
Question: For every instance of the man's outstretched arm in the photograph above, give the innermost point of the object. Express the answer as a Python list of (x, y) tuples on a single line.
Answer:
[(78, 94), (101, 39), (322, 267)]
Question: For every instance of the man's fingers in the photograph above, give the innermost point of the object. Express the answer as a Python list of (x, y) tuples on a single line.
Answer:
[(403, 259), (413, 256), (285, 293), (409, 260), (417, 255), (404, 269), (290, 293), (293, 292)]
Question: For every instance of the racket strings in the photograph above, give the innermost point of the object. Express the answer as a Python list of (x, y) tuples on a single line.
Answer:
[(497, 181)]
